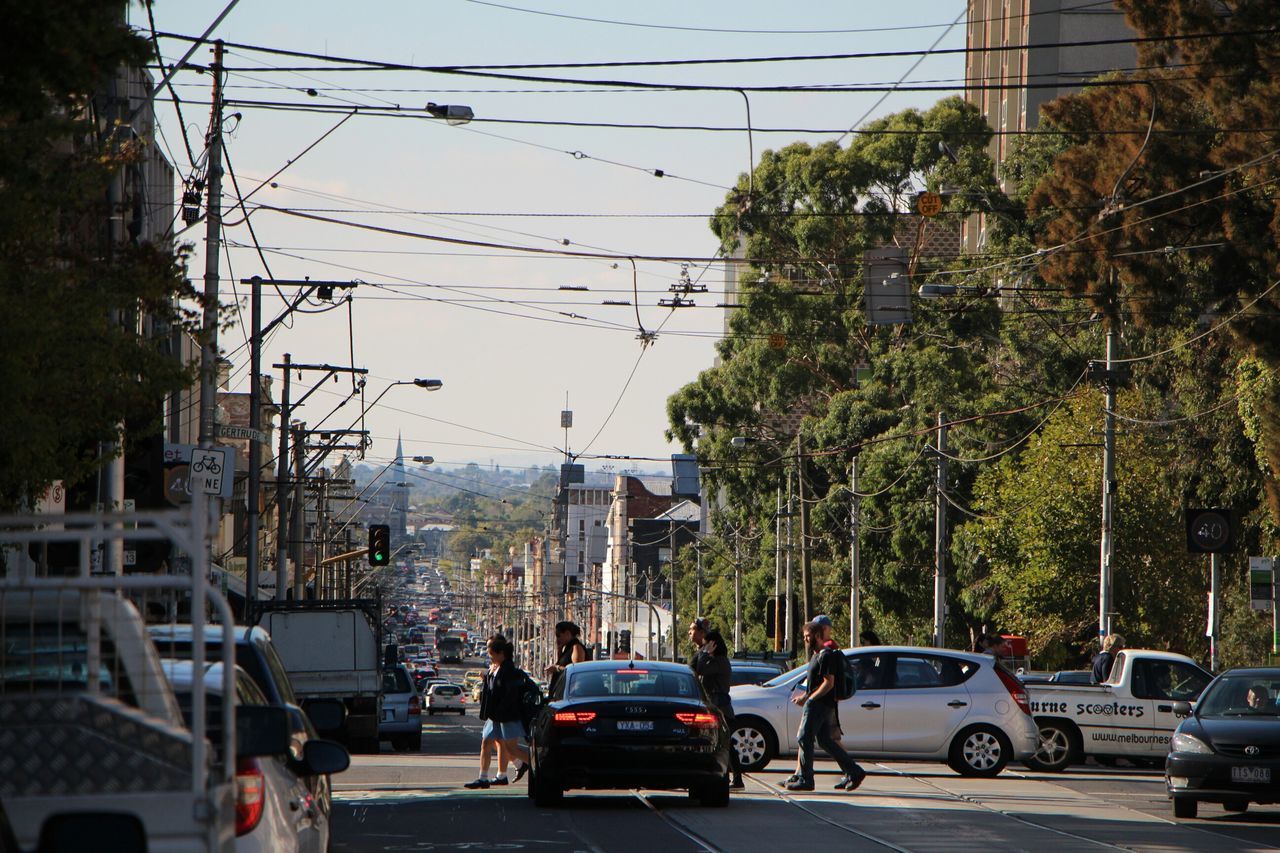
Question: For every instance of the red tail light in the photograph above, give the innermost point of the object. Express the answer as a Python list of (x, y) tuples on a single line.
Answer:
[(1016, 690), (415, 706), (699, 721), (250, 795), (573, 718)]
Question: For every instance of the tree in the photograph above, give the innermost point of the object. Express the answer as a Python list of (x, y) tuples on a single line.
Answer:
[(1199, 185), (70, 300)]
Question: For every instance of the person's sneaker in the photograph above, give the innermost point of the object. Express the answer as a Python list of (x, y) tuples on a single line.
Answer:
[(799, 785), (794, 777), (523, 769), (478, 783), (737, 784)]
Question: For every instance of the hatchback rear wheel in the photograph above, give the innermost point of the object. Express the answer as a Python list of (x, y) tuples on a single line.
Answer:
[(755, 742), (979, 751)]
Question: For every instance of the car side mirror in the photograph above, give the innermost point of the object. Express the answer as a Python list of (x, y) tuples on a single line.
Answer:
[(262, 730), (327, 715), (1182, 709), (321, 757)]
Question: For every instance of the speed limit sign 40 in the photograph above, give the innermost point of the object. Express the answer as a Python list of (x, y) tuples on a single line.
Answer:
[(1209, 531)]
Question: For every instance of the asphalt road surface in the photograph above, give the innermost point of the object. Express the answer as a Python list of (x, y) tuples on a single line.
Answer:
[(416, 802)]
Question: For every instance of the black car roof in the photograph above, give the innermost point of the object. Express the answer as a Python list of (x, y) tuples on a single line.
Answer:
[(615, 665)]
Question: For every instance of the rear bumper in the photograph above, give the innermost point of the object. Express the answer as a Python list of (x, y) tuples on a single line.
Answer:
[(408, 727), (613, 767)]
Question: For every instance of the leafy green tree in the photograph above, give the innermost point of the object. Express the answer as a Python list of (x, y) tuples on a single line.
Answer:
[(74, 366)]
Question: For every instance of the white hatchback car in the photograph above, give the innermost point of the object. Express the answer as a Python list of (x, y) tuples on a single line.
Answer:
[(445, 697), (911, 704)]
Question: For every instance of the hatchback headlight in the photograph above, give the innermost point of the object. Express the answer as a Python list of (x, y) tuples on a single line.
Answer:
[(1189, 743)]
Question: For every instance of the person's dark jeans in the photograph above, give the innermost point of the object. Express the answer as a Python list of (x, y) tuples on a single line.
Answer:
[(722, 702), (816, 725)]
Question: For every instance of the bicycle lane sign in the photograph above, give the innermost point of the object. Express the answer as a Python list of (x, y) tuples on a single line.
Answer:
[(212, 470)]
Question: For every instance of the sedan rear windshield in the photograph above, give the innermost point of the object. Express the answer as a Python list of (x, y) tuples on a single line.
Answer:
[(631, 682)]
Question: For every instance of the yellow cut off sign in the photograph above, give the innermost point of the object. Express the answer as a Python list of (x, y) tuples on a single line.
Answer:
[(929, 204)]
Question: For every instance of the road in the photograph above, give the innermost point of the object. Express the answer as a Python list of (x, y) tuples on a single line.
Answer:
[(415, 802)]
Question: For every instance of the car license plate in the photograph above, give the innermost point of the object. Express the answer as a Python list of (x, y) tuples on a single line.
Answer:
[(635, 725), (1257, 775)]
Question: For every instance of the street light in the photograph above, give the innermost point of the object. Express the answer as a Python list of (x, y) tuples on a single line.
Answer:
[(454, 114), (425, 460)]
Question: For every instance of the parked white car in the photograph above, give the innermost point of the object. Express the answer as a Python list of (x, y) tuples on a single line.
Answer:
[(911, 704), (274, 808), (445, 697)]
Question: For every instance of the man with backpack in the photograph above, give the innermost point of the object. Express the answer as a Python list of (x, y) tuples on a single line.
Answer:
[(828, 680)]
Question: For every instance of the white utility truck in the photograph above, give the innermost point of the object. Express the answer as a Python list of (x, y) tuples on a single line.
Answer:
[(332, 650), (1129, 716)]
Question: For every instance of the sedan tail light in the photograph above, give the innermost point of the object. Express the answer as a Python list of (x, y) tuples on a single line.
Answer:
[(698, 721), (573, 718), (1016, 689), (250, 795)]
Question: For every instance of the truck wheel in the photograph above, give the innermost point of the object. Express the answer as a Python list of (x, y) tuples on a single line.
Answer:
[(415, 742), (1058, 746), (980, 752), (755, 742), (1184, 808)]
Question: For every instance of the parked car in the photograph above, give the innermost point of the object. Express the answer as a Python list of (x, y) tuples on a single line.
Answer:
[(910, 703), (612, 725), (401, 709), (256, 655), (1129, 716), (1227, 750), (446, 697), (754, 671), (274, 807)]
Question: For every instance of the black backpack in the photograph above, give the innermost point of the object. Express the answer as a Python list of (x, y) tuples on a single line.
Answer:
[(846, 678), (530, 702)]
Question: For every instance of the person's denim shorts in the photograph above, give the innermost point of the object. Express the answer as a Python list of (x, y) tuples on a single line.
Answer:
[(502, 731)]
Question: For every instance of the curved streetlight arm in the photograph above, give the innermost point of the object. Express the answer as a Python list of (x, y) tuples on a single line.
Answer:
[(651, 606)]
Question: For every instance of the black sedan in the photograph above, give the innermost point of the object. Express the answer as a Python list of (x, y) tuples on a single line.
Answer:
[(629, 724), (1227, 750)]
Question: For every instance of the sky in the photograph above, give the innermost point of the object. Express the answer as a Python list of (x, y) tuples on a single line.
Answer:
[(493, 323)]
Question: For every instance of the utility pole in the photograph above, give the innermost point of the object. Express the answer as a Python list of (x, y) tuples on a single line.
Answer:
[(282, 485), (806, 575), (737, 589), (1108, 547), (299, 511), (698, 580), (212, 245), (776, 639), (854, 556), (790, 607), (111, 474), (253, 509), (940, 540)]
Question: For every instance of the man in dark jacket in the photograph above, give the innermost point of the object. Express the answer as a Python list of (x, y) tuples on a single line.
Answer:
[(1103, 660), (710, 662)]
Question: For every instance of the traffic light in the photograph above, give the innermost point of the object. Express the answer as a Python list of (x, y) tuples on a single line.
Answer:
[(379, 544)]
